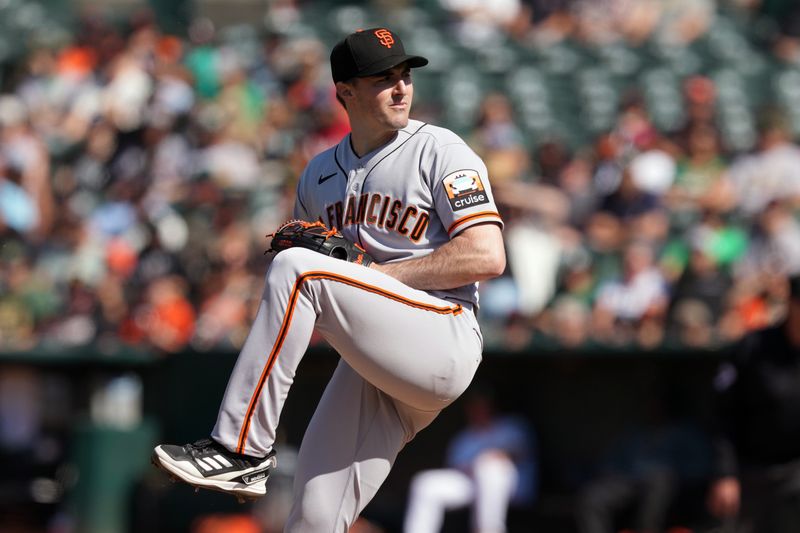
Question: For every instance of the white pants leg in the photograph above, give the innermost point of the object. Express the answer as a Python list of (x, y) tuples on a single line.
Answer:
[(432, 493), (347, 451), (496, 478), (416, 354)]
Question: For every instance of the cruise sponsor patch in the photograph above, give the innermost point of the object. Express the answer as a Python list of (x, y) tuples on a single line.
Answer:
[(464, 189)]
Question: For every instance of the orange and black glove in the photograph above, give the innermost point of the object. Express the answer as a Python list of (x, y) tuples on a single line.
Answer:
[(317, 237)]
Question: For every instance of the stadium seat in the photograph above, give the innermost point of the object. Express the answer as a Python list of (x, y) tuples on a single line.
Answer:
[(662, 92)]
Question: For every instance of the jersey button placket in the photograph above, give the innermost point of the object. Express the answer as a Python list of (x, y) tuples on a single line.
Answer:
[(357, 179)]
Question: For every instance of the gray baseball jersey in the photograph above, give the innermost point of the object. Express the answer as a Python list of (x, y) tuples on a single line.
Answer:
[(405, 353), (404, 199)]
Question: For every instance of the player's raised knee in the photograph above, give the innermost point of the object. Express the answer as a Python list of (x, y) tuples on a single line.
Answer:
[(292, 262)]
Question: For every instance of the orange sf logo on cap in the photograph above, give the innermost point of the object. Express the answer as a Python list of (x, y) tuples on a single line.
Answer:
[(385, 37)]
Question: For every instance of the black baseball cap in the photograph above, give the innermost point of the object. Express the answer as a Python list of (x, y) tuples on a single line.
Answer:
[(368, 52)]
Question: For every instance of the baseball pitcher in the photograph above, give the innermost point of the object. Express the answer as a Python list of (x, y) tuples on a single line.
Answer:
[(395, 227)]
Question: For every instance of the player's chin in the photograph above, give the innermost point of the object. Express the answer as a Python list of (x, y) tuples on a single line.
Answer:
[(398, 118)]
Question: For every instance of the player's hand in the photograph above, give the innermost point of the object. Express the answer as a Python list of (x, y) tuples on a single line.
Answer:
[(724, 497)]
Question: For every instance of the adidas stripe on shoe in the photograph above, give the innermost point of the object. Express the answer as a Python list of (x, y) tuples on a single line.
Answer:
[(209, 465)]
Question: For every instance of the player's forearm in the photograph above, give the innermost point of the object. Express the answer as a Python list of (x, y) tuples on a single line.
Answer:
[(441, 271), (476, 254)]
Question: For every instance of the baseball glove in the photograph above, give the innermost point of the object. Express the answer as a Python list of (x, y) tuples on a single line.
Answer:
[(316, 236)]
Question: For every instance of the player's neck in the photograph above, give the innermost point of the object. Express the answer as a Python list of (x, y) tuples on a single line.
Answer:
[(363, 142)]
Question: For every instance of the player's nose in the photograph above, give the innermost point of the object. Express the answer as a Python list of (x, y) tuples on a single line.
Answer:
[(400, 87)]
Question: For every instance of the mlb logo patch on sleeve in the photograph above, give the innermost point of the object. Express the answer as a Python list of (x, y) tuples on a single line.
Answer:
[(464, 189)]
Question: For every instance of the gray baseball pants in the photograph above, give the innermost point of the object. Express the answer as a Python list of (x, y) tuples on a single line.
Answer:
[(405, 355)]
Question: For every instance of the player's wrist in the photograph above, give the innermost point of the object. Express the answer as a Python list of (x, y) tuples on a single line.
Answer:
[(386, 268)]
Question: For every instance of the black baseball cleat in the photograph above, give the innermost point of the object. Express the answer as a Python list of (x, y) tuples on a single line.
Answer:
[(206, 464)]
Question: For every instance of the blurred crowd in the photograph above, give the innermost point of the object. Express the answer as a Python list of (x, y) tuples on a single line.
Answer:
[(140, 172)]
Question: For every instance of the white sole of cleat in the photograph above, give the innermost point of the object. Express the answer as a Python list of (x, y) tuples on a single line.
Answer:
[(239, 490)]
